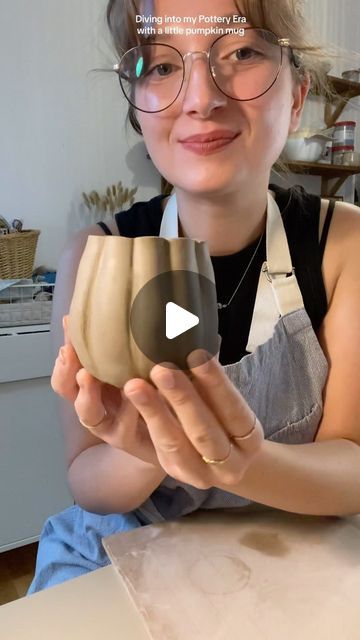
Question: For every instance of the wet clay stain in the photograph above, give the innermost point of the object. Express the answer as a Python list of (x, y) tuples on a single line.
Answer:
[(265, 542), (219, 574)]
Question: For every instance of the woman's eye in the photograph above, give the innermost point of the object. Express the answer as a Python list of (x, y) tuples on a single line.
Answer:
[(246, 54), (164, 69), (158, 71)]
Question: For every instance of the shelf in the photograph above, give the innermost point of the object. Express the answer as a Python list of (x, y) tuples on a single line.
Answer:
[(346, 90), (327, 172), (321, 169)]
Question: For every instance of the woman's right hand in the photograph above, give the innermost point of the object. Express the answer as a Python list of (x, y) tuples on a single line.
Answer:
[(96, 403)]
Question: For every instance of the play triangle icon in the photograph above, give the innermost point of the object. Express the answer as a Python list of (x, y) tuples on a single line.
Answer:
[(178, 320)]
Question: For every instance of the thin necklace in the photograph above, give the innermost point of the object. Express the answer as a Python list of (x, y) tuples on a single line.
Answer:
[(220, 305)]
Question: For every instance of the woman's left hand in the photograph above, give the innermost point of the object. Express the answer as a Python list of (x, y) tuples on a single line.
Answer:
[(188, 419)]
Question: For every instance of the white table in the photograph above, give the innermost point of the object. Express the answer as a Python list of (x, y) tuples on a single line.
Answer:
[(95, 606), (303, 582)]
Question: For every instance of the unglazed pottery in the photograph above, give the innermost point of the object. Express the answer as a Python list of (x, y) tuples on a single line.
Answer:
[(111, 272)]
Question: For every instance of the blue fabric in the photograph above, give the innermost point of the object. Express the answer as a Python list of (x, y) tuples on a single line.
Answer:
[(70, 545)]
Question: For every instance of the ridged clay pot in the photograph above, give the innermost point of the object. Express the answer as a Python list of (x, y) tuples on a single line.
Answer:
[(111, 272)]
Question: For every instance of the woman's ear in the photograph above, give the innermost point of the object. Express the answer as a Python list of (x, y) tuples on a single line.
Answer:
[(300, 92)]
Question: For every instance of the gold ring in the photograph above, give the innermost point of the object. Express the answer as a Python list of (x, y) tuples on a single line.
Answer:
[(209, 461), (93, 426), (247, 435)]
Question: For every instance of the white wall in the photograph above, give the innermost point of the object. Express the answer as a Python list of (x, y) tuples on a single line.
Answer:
[(62, 128)]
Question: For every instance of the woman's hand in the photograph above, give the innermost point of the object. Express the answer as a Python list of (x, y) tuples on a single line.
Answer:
[(96, 403), (189, 419)]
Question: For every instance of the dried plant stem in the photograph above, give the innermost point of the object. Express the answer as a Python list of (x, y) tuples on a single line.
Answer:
[(114, 199)]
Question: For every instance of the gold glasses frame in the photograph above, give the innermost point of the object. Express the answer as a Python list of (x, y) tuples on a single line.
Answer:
[(284, 43)]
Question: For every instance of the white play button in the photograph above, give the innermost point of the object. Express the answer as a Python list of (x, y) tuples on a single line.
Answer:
[(178, 320), (174, 314)]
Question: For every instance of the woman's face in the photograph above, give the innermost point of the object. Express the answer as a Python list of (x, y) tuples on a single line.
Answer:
[(260, 126)]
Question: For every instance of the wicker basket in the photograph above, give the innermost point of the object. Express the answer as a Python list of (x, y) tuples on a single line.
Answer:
[(17, 254)]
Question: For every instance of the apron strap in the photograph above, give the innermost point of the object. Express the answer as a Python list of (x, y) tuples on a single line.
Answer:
[(278, 292), (169, 224)]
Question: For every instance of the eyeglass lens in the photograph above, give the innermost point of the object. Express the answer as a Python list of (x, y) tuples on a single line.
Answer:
[(243, 67)]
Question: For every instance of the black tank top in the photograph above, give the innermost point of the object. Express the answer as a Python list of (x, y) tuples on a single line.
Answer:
[(300, 213)]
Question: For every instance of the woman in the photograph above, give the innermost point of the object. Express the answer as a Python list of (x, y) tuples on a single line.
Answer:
[(155, 452)]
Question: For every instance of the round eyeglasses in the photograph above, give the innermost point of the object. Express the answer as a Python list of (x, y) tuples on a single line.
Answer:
[(243, 67)]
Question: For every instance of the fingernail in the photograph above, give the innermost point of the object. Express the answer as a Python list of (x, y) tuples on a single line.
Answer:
[(166, 380), (199, 358), (139, 397), (62, 357), (80, 378)]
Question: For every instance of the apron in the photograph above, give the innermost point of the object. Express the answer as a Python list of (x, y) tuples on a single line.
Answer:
[(282, 377)]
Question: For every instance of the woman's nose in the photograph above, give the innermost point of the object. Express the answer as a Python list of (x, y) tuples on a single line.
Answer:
[(200, 93)]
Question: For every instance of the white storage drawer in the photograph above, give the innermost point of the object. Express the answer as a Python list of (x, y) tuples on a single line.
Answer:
[(33, 475), (25, 353)]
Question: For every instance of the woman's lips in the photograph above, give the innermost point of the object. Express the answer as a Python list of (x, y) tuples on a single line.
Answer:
[(206, 148)]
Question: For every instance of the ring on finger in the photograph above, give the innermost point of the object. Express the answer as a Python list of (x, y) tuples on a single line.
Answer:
[(222, 460), (248, 434), (93, 426)]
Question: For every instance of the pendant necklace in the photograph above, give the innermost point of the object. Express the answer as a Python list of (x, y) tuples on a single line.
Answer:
[(220, 305)]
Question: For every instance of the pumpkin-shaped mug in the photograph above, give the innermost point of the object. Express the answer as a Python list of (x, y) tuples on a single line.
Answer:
[(117, 312)]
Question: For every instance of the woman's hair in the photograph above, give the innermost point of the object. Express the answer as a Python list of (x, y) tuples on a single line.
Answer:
[(284, 17)]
